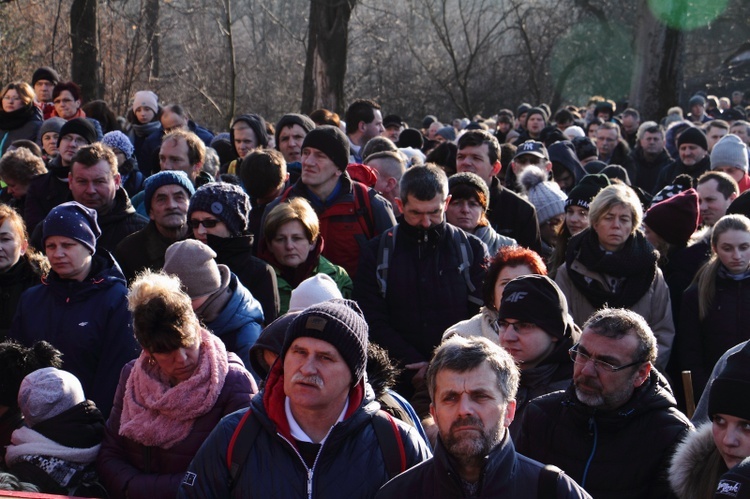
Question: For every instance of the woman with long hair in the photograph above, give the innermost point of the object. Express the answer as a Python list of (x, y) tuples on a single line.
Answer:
[(19, 117)]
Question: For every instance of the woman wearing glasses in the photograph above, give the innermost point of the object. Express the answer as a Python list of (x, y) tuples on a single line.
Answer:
[(67, 99), (19, 117), (611, 263)]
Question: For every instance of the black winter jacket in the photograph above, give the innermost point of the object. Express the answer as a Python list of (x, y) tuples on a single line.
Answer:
[(624, 453), (513, 216)]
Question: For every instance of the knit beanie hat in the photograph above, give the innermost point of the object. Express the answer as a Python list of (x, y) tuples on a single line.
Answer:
[(537, 299), (523, 108), (447, 132), (293, 119), (227, 202), (693, 135), (313, 290), (616, 172), (79, 126), (16, 361), (546, 196), (193, 262), (118, 140), (585, 148), (146, 98), (696, 100), (338, 322), (595, 166), (166, 177), (735, 483), (332, 141), (45, 73), (47, 392), (729, 151), (53, 124), (428, 120), (410, 138), (472, 180), (537, 110), (258, 125), (589, 186), (681, 183), (730, 391), (75, 221), (676, 218)]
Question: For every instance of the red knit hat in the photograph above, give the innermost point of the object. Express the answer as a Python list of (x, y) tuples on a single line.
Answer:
[(676, 218)]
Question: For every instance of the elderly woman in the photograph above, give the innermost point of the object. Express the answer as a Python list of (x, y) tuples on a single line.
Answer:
[(468, 210), (17, 169), (19, 117), (611, 263), (169, 398), (293, 246)]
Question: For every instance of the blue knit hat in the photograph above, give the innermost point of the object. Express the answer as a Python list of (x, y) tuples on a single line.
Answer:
[(75, 221), (167, 177), (118, 140)]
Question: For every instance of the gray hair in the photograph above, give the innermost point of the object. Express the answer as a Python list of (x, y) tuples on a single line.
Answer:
[(616, 323)]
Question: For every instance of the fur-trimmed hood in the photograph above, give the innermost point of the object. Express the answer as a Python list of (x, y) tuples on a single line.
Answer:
[(696, 466)]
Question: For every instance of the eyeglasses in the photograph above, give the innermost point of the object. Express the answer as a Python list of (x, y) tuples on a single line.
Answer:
[(62, 101), (519, 327), (581, 358), (208, 223)]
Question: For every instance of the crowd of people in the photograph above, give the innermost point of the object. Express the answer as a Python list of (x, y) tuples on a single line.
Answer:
[(347, 306)]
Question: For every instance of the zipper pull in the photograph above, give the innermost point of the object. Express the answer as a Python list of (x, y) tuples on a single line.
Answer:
[(309, 484)]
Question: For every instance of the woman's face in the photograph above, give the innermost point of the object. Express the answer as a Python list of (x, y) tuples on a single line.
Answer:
[(144, 114), (464, 213), (732, 438), (49, 143), (290, 245), (592, 131), (576, 218), (733, 249), (179, 364), (12, 101), (527, 343), (12, 245), (506, 275), (67, 257), (66, 106), (614, 227), (652, 237)]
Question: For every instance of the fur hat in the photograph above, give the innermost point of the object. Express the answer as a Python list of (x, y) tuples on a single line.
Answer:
[(410, 138), (546, 196), (729, 151), (146, 98), (193, 262), (332, 141), (166, 177), (537, 299), (47, 392), (695, 136), (75, 221), (118, 140), (79, 126), (676, 218), (227, 202), (338, 322), (730, 390)]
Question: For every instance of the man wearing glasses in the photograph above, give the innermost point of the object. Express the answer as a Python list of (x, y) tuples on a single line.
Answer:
[(614, 429)]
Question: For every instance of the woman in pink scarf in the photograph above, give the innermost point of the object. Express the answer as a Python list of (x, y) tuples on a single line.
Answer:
[(169, 398)]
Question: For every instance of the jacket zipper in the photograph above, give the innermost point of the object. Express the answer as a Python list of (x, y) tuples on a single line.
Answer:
[(310, 471)]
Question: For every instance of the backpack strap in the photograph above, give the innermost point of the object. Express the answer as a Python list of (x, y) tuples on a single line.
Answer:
[(391, 443), (465, 253), (363, 208), (239, 446), (548, 478), (385, 250)]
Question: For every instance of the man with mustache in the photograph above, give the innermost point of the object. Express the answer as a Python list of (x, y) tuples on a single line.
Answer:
[(473, 383), (312, 426), (615, 428)]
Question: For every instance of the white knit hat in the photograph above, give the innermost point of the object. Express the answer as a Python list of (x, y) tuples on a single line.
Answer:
[(313, 290), (47, 392), (729, 151), (546, 196), (146, 98)]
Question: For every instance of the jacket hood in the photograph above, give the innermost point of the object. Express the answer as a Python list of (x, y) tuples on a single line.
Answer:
[(564, 153), (240, 310), (105, 273), (696, 465)]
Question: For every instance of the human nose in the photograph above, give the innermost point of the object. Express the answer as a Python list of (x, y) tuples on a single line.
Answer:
[(730, 438), (465, 405), (425, 221)]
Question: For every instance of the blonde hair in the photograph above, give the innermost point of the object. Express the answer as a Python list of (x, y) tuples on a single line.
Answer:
[(616, 195), (297, 209), (24, 90)]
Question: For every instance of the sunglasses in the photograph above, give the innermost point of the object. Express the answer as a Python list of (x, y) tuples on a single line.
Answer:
[(208, 223)]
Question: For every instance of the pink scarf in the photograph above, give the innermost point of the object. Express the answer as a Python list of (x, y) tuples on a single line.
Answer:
[(159, 415)]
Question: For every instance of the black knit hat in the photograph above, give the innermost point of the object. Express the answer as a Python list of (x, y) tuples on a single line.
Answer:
[(735, 483), (695, 136), (256, 123), (75, 221), (293, 119), (338, 322), (589, 186), (537, 299), (79, 126), (730, 391), (410, 138), (227, 202), (523, 108), (676, 218), (45, 73), (332, 141)]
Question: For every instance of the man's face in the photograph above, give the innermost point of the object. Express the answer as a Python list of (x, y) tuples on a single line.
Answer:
[(740, 130), (169, 207), (652, 143), (169, 120), (691, 154), (423, 214), (290, 142), (94, 186), (69, 145), (520, 163), (713, 135), (43, 90), (373, 128), (316, 377), (470, 411), (601, 389), (434, 127), (713, 204), (392, 132), (476, 159), (173, 156), (630, 123), (245, 141), (736, 173), (697, 110), (606, 141), (317, 168), (535, 124)]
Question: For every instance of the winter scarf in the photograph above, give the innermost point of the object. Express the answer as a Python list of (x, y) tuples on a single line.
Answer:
[(295, 275), (19, 117), (145, 129), (634, 265), (156, 414)]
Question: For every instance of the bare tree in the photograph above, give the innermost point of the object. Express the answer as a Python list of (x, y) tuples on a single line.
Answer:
[(84, 68)]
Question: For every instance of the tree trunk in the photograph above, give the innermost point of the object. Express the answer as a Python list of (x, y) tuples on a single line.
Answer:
[(85, 48), (151, 13), (325, 67), (658, 66)]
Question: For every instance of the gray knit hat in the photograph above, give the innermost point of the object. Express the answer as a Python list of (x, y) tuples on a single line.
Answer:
[(338, 322), (227, 202), (47, 392), (469, 179), (53, 124), (729, 151), (332, 141), (193, 262), (546, 196), (293, 119)]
